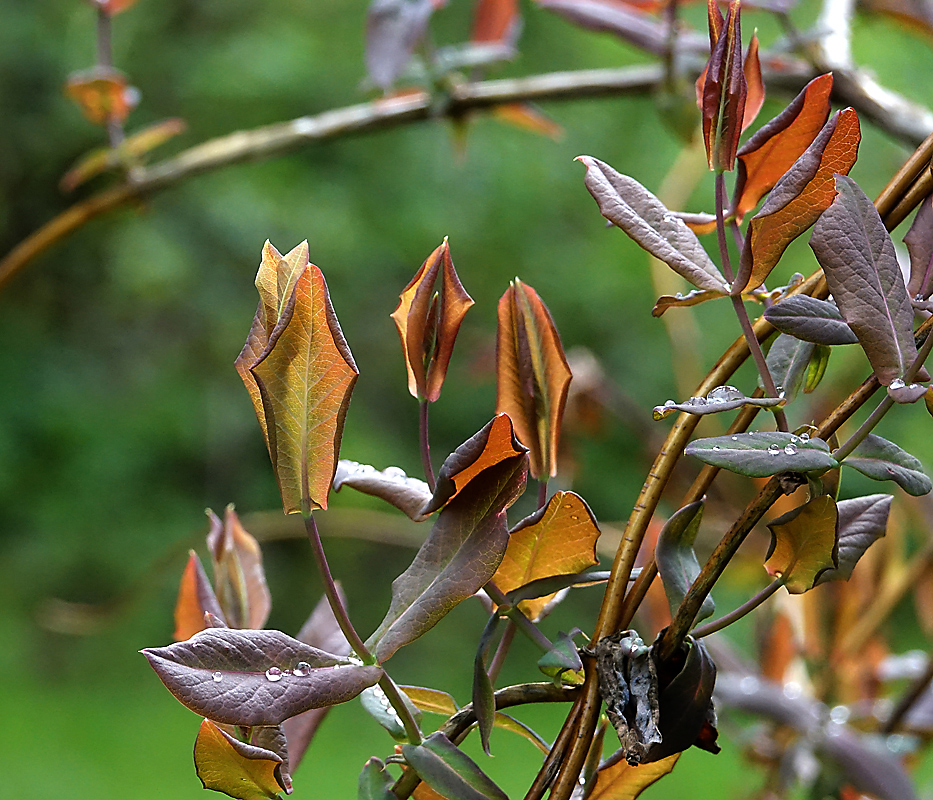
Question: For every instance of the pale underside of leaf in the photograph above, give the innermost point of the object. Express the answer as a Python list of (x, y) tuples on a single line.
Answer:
[(391, 484), (676, 559), (715, 405), (787, 362)]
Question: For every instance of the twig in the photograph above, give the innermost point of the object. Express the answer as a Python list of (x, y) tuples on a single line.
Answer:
[(911, 696), (746, 608), (424, 438)]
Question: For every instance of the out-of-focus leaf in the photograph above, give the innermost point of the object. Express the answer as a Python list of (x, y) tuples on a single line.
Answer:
[(374, 783), (818, 363), (919, 241), (377, 705), (725, 88), (858, 259), (622, 781), (694, 298), (759, 455), (767, 155), (676, 560), (798, 199), (496, 21), (812, 320), (433, 701), (862, 521), (928, 399), (494, 443), (722, 398), (871, 770), (449, 771), (804, 544), (561, 658), (255, 677), (391, 484), (529, 118), (428, 320), (630, 206), (755, 98), (102, 94), (113, 7), (236, 768), (300, 373), (787, 362), (915, 14), (195, 598), (238, 572), (532, 375), (507, 723), (393, 30), (484, 700), (558, 539), (460, 556), (882, 460)]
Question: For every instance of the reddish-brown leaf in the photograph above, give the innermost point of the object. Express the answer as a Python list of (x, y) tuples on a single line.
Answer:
[(529, 118), (622, 781), (428, 320), (724, 91), (496, 21), (241, 770), (558, 539), (798, 199), (755, 98), (532, 375), (765, 157), (102, 94), (195, 599)]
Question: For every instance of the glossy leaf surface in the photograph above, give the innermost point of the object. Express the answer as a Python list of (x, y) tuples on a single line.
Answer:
[(432, 700), (759, 455), (804, 544), (882, 460), (195, 598), (622, 781), (676, 559), (787, 362), (810, 319), (238, 572), (257, 683), (391, 484), (225, 764), (858, 259), (374, 783), (718, 400), (862, 521), (449, 771), (919, 241)]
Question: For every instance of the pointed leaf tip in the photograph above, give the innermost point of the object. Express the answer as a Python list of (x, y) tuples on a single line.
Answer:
[(238, 769), (804, 544)]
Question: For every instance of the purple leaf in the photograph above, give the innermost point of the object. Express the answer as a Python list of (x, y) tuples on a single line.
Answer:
[(919, 241), (391, 484), (870, 769), (812, 320), (247, 677), (882, 460), (857, 256), (484, 701), (272, 738), (759, 455), (393, 30), (676, 559), (449, 771), (906, 393), (862, 521)]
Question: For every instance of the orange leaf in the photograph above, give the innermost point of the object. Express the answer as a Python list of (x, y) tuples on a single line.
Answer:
[(798, 199), (527, 117), (724, 89), (804, 544), (558, 539), (428, 322), (195, 598), (532, 375), (765, 157), (755, 98), (235, 768), (622, 781), (103, 94), (300, 373), (495, 21), (113, 7)]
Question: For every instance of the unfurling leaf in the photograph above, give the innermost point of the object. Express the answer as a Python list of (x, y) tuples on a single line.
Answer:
[(375, 783), (428, 319), (532, 375), (630, 206), (725, 88), (238, 573), (102, 94), (787, 362), (804, 544), (622, 781), (804, 192), (767, 155), (449, 771), (391, 484), (759, 455), (299, 372), (812, 320), (463, 550), (862, 521), (225, 764), (393, 30), (882, 460), (676, 560), (858, 259), (558, 539), (377, 705), (818, 363), (722, 398), (484, 694), (255, 677), (195, 599), (919, 241), (272, 738)]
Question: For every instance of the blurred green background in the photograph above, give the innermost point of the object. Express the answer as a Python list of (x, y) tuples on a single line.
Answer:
[(122, 418)]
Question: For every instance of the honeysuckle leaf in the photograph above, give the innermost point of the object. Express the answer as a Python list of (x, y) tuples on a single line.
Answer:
[(242, 591), (562, 657), (621, 781), (755, 85), (460, 555), (272, 738), (428, 318), (759, 455), (787, 362), (558, 539), (391, 484), (484, 700), (554, 584), (718, 400), (676, 559), (300, 373), (818, 363), (905, 393), (433, 701), (532, 375), (507, 723), (725, 88), (919, 241), (798, 199), (494, 443), (393, 30), (249, 677), (773, 149), (103, 94), (374, 783), (241, 770), (195, 598), (858, 259), (496, 21), (881, 460), (810, 319), (694, 298), (377, 705), (630, 206), (804, 544), (862, 521), (449, 771)]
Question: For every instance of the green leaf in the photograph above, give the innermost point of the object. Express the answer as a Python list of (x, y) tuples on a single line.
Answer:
[(241, 770), (484, 700), (804, 544), (787, 362), (759, 455), (563, 657), (862, 521), (817, 368), (676, 560), (882, 460), (449, 771), (377, 705), (375, 783)]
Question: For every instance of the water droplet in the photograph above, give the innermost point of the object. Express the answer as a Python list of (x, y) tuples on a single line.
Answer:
[(792, 690), (804, 437), (840, 714), (698, 401), (914, 386), (735, 438), (795, 439), (395, 473), (273, 674), (791, 449), (748, 685), (669, 404), (723, 394), (218, 677), (716, 447), (897, 383), (301, 669), (774, 449)]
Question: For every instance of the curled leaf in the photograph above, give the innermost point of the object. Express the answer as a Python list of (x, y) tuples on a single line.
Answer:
[(862, 521), (804, 544), (722, 398), (759, 455), (484, 700), (195, 599), (694, 298), (676, 559), (391, 484), (755, 97), (818, 363), (238, 572), (377, 705), (449, 771), (561, 658), (919, 241), (374, 783), (810, 319), (241, 770), (881, 460)]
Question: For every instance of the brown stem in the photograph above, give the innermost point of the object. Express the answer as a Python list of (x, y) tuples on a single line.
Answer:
[(424, 439), (911, 696)]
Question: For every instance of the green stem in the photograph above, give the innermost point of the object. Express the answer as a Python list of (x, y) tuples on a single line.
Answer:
[(425, 442), (750, 605)]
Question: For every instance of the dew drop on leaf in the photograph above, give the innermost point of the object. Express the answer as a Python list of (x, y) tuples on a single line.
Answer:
[(273, 674), (301, 669), (791, 449), (774, 449), (217, 677), (897, 383)]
